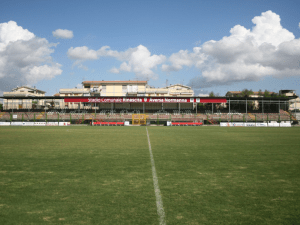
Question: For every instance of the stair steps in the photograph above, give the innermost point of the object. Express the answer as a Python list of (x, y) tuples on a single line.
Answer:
[(40, 116), (2, 114), (251, 116), (293, 118)]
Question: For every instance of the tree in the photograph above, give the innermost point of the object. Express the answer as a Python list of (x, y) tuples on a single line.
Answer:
[(260, 93), (267, 93), (211, 94), (246, 92)]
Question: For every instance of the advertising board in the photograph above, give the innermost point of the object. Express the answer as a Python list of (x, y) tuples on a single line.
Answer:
[(28, 123), (261, 124), (16, 123), (64, 123), (237, 124), (249, 124), (52, 124), (4, 123), (285, 125), (39, 123)]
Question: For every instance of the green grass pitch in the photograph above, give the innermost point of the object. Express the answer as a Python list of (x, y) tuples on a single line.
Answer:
[(102, 175)]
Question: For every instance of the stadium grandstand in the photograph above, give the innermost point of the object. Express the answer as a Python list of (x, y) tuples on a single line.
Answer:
[(117, 101)]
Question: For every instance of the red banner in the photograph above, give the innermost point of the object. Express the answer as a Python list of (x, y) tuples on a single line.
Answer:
[(144, 99), (213, 100)]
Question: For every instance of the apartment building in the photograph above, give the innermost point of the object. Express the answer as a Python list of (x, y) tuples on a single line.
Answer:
[(122, 88), (294, 104), (93, 89), (135, 88), (23, 91)]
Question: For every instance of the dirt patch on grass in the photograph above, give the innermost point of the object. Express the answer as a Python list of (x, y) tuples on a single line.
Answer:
[(47, 218)]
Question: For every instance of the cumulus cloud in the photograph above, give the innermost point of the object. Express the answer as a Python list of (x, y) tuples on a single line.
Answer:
[(267, 49), (185, 58), (138, 60), (64, 34), (24, 58), (82, 53)]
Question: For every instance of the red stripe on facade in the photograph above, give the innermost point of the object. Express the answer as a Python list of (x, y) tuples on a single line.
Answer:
[(144, 99), (213, 100)]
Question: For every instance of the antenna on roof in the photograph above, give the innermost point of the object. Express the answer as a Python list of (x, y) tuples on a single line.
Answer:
[(166, 82)]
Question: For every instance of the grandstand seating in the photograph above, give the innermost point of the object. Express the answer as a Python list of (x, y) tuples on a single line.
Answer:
[(112, 117)]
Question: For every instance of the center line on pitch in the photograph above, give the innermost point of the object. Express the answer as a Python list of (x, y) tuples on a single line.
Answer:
[(159, 202)]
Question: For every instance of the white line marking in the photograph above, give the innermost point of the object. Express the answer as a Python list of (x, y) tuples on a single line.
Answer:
[(159, 202)]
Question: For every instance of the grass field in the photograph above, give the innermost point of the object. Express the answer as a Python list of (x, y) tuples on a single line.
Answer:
[(102, 175)]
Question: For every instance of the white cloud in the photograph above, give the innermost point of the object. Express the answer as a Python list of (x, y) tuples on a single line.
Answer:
[(64, 34), (44, 72), (184, 58), (246, 55), (82, 53), (11, 32), (24, 58), (138, 60)]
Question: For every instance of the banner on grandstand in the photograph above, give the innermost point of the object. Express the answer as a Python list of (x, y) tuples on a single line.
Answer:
[(144, 100)]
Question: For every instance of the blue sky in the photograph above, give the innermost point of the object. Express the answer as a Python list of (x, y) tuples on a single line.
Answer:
[(154, 40)]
